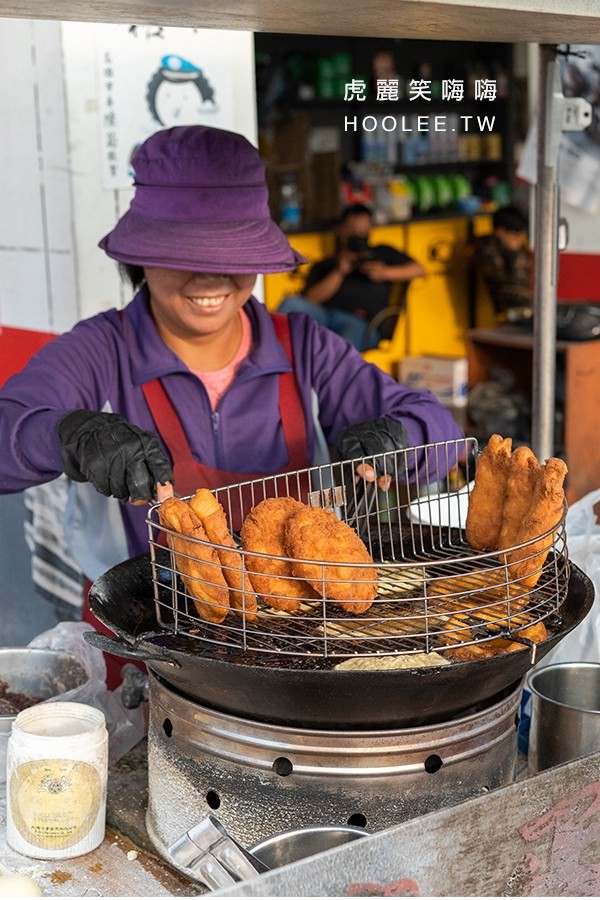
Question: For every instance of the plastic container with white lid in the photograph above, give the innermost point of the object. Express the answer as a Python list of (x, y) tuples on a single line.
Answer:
[(56, 774)]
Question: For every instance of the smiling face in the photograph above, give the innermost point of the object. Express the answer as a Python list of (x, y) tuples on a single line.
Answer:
[(196, 306)]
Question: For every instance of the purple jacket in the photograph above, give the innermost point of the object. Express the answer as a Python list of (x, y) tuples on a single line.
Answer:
[(103, 361)]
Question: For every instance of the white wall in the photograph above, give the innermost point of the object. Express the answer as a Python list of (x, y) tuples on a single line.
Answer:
[(95, 207), (54, 205), (37, 261)]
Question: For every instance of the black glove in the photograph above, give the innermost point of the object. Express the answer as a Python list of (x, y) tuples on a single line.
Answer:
[(371, 438), (119, 459)]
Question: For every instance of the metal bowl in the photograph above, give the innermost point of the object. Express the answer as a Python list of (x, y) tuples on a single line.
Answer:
[(290, 846), (38, 673)]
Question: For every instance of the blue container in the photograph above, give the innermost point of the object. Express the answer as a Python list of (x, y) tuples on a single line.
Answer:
[(524, 721)]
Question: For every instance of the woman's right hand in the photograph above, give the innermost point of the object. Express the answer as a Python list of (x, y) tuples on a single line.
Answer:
[(118, 458)]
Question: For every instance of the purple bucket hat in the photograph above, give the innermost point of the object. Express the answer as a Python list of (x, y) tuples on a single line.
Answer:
[(201, 203)]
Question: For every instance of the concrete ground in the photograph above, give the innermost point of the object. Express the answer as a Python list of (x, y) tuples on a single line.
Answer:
[(23, 613)]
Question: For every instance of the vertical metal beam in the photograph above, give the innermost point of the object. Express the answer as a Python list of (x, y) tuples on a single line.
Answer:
[(546, 255)]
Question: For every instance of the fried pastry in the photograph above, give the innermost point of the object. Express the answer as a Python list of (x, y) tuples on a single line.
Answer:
[(272, 578), (484, 515), (523, 473), (487, 585), (318, 534), (483, 649), (537, 633), (198, 565), (212, 515), (545, 512)]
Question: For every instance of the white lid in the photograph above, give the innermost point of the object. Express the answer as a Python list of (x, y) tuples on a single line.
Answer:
[(56, 721)]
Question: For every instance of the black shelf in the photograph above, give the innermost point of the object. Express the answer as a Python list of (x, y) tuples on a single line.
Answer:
[(396, 107), (286, 62), (434, 215), (449, 164)]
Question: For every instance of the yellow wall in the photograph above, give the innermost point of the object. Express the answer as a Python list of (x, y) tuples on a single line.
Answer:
[(314, 246)]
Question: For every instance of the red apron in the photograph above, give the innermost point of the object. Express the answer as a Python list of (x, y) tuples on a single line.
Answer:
[(189, 475)]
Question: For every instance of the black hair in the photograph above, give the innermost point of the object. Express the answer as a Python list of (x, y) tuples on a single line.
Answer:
[(510, 218), (204, 89), (356, 209), (133, 274)]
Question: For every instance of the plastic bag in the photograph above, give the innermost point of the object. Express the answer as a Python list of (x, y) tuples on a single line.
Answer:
[(126, 727), (583, 540)]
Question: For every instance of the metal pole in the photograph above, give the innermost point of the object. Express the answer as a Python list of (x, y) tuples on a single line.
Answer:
[(546, 255)]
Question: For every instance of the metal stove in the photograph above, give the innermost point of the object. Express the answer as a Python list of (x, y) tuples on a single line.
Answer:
[(249, 719), (261, 779)]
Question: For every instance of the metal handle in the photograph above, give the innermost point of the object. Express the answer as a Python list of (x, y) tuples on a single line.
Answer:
[(120, 647), (135, 687), (441, 252), (212, 856)]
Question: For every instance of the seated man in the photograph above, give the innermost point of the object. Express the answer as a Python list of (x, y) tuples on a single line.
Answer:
[(504, 262), (345, 291)]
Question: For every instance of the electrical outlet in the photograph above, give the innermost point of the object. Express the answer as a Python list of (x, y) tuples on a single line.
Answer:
[(577, 114)]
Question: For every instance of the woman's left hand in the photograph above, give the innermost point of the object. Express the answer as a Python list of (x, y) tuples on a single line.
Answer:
[(372, 438), (384, 482)]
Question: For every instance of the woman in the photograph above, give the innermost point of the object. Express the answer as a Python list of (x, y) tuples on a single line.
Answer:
[(194, 382)]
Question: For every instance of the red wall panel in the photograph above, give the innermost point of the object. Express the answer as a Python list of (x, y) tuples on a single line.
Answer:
[(17, 346), (578, 276)]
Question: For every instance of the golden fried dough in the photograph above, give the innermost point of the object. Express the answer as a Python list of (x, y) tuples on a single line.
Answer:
[(263, 532), (484, 516), (514, 500), (480, 585), (492, 647), (545, 512), (213, 518), (523, 472), (536, 633), (318, 534), (197, 564), (483, 650)]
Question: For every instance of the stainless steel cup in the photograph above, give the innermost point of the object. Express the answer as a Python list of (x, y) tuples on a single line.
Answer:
[(565, 714), (290, 846)]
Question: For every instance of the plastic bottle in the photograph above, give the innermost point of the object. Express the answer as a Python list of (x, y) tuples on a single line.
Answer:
[(290, 209), (400, 199), (57, 766)]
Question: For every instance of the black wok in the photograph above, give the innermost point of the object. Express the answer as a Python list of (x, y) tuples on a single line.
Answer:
[(223, 679)]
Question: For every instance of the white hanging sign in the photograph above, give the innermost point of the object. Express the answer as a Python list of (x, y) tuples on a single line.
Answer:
[(153, 77)]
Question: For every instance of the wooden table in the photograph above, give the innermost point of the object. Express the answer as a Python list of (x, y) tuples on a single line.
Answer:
[(510, 348)]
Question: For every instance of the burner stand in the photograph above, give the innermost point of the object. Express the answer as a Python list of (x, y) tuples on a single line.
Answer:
[(260, 779)]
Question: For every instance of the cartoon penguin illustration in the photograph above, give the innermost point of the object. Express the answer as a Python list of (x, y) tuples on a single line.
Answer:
[(179, 92)]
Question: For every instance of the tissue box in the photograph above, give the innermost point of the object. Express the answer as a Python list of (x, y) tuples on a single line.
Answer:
[(444, 376)]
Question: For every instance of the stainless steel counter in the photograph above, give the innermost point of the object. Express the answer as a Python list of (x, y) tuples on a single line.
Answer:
[(536, 837)]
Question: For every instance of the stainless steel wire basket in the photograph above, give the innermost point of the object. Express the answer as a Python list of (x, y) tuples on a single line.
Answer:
[(434, 592)]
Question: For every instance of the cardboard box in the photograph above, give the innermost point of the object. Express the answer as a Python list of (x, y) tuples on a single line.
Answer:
[(444, 376)]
